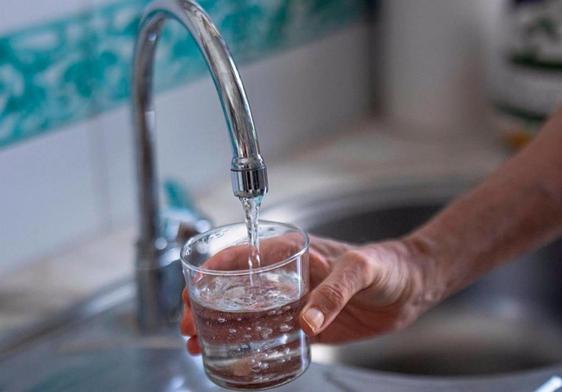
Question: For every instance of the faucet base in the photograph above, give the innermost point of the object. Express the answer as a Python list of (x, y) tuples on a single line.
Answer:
[(159, 302)]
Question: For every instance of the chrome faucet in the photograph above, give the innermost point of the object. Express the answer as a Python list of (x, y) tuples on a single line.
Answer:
[(155, 253)]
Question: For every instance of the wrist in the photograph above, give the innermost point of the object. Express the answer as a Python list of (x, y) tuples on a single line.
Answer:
[(425, 254)]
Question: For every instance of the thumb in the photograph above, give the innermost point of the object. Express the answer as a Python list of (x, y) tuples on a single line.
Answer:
[(351, 273)]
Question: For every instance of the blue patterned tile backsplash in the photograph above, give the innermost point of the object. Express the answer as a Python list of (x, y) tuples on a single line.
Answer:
[(70, 69)]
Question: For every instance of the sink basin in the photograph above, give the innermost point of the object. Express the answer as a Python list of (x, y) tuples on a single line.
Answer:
[(508, 321)]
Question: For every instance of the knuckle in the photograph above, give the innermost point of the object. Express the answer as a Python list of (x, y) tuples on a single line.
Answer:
[(358, 260), (332, 296), (405, 317), (402, 324), (358, 269)]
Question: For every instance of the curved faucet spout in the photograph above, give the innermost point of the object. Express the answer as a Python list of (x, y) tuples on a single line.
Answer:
[(249, 176)]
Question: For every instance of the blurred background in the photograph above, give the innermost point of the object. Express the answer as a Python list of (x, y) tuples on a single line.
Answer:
[(343, 92)]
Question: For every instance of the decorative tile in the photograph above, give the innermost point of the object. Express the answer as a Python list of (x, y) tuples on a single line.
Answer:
[(74, 68)]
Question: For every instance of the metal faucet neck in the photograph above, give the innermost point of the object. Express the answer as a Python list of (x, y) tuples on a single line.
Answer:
[(249, 176)]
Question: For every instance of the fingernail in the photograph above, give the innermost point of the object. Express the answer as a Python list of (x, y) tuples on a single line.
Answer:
[(314, 318)]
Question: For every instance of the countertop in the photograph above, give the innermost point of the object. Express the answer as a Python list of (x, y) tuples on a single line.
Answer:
[(106, 353)]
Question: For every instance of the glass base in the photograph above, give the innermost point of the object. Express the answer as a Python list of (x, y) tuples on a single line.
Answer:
[(259, 386)]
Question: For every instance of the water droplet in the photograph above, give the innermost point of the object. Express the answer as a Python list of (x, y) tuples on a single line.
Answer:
[(239, 319), (221, 320), (247, 336), (248, 328), (259, 328), (286, 308), (232, 330), (285, 328), (289, 318)]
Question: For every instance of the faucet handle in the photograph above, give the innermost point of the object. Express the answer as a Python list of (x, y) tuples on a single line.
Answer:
[(160, 284), (182, 220), (180, 226)]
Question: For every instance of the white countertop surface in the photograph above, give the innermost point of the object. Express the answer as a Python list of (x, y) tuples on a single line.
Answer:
[(370, 153)]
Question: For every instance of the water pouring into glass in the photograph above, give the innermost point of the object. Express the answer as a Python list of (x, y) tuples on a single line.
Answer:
[(247, 316)]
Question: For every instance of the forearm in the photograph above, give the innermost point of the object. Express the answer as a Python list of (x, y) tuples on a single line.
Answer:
[(516, 209)]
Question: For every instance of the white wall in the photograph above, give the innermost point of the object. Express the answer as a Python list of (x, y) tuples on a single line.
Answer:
[(434, 55), (72, 184)]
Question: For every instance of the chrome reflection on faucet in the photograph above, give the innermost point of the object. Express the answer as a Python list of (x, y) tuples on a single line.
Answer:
[(249, 176)]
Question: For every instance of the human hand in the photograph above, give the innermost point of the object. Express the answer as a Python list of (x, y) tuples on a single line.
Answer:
[(356, 291), (363, 291)]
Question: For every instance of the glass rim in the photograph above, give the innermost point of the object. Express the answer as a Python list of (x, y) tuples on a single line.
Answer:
[(303, 249)]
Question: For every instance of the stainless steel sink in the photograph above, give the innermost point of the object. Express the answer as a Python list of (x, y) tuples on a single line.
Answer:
[(508, 321)]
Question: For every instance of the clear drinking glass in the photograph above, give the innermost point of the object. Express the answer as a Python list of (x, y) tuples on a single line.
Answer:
[(247, 319)]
